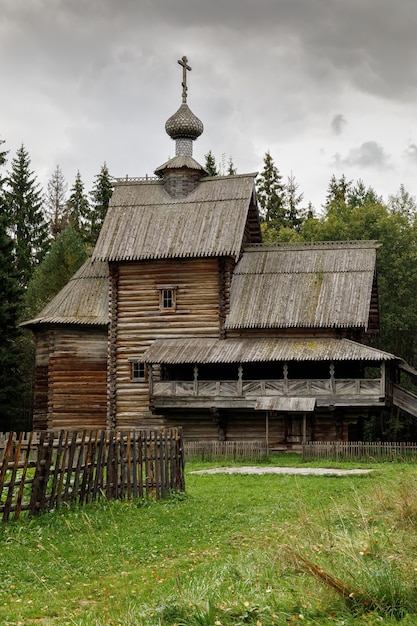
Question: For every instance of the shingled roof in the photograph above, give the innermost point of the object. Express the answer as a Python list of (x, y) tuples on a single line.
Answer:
[(83, 300), (257, 350), (145, 222), (324, 285)]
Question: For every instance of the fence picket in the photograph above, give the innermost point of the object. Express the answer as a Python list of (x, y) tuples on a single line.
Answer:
[(23, 482), (212, 450), (78, 467), (359, 451)]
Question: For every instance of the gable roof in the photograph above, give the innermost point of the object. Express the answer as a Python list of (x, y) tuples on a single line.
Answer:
[(144, 222), (83, 300), (325, 285), (257, 350)]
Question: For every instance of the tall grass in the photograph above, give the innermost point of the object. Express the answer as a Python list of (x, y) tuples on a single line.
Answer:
[(265, 550)]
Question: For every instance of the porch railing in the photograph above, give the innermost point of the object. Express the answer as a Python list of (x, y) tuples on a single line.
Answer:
[(283, 387)]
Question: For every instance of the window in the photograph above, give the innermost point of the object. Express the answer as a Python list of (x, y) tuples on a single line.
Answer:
[(167, 297), (138, 370)]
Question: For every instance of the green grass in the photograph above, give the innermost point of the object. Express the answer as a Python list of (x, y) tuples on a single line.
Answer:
[(257, 550)]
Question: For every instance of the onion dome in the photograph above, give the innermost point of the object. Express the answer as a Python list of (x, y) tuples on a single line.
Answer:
[(182, 173), (184, 124)]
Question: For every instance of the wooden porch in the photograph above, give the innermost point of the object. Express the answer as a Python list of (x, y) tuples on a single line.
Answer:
[(246, 394)]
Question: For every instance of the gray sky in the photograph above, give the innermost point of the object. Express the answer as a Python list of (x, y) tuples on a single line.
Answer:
[(328, 86)]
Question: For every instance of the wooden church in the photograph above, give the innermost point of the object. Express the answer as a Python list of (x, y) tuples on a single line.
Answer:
[(183, 317)]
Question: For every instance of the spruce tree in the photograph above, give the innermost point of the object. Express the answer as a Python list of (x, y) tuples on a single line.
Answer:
[(56, 202), (337, 193), (210, 164), (271, 194), (231, 170), (293, 199), (24, 210), (10, 372), (78, 206), (10, 302), (100, 199), (3, 156)]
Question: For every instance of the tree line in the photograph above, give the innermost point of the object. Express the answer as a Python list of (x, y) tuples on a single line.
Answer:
[(45, 236)]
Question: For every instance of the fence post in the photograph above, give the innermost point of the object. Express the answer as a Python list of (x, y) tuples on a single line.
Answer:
[(111, 487), (40, 480)]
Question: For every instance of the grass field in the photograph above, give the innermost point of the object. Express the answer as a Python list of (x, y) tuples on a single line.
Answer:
[(260, 550)]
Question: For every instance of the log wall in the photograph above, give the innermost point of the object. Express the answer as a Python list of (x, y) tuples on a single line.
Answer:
[(71, 379), (140, 321)]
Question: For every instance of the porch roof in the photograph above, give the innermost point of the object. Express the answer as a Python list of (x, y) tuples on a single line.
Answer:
[(253, 350)]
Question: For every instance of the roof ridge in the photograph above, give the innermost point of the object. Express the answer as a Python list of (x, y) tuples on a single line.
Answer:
[(319, 245)]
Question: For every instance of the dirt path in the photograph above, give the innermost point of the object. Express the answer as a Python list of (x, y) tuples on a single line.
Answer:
[(318, 471)]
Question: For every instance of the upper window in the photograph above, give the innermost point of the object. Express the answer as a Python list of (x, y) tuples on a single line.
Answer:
[(167, 297), (138, 370)]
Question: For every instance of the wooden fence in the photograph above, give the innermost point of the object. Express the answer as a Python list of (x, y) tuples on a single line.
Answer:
[(225, 450), (359, 451), (40, 471)]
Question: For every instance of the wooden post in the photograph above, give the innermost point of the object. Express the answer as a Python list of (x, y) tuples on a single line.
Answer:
[(240, 381), (383, 378), (195, 387), (267, 429), (304, 428), (332, 380), (285, 372), (150, 379)]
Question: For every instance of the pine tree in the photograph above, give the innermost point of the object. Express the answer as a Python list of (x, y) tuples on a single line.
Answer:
[(100, 199), (24, 209), (56, 202), (210, 164), (271, 194), (78, 207)]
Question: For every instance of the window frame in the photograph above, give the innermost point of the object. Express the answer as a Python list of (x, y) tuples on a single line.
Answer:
[(167, 297), (138, 371)]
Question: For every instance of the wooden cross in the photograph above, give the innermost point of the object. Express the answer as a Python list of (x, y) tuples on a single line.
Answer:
[(185, 67)]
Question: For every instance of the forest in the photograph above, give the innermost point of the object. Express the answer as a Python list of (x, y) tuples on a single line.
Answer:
[(45, 235)]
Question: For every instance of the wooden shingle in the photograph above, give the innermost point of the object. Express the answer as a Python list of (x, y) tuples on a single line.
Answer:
[(327, 285)]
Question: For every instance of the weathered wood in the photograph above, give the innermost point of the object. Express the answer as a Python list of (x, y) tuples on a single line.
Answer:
[(140, 320), (226, 450), (405, 399), (79, 467), (70, 378), (57, 470), (23, 481), (360, 451)]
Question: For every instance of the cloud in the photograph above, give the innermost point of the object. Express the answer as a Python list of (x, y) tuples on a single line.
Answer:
[(338, 123), (88, 81), (411, 152), (369, 155)]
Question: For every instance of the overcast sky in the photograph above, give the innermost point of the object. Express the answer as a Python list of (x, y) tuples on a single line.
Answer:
[(327, 86)]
